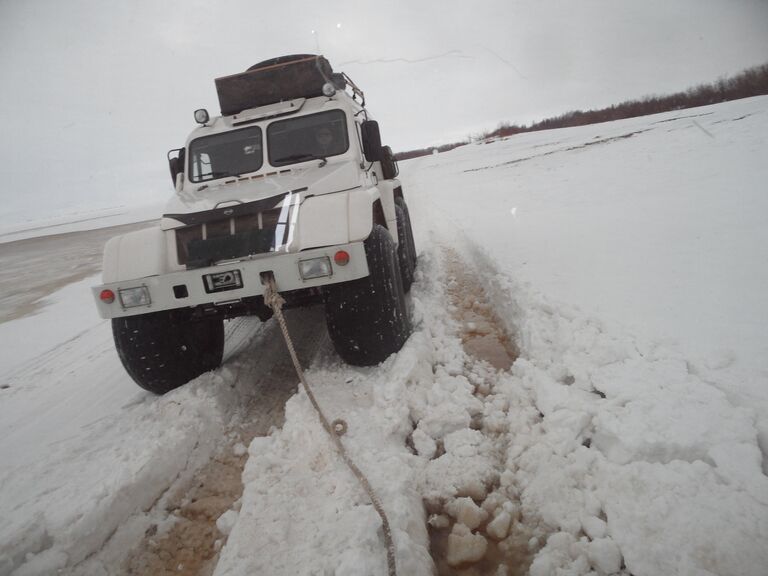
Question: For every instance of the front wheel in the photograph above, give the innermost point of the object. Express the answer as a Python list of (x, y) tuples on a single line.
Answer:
[(368, 318), (163, 350)]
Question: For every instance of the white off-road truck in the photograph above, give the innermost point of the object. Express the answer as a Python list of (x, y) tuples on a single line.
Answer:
[(291, 182)]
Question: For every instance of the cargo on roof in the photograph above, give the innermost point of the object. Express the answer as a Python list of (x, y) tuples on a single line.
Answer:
[(274, 80)]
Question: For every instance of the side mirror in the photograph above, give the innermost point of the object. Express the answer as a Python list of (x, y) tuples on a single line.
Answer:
[(371, 140), (176, 163), (389, 167)]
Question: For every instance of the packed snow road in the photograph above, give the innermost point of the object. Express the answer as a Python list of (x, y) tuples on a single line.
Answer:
[(584, 392)]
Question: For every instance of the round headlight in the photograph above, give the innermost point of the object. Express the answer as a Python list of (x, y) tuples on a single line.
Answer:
[(328, 89), (201, 116)]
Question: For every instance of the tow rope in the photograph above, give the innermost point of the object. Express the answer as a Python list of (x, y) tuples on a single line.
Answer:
[(335, 429)]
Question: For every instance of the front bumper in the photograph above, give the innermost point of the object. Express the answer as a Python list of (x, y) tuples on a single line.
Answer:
[(188, 288)]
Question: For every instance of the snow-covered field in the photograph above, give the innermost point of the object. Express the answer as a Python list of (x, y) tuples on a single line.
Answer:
[(626, 264)]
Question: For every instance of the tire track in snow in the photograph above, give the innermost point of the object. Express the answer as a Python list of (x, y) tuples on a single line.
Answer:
[(477, 529), (200, 516)]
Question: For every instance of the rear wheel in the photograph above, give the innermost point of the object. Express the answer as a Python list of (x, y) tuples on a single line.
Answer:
[(163, 350), (403, 249), (368, 318)]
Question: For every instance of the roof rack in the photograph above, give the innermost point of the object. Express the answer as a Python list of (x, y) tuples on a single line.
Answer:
[(355, 90), (278, 80)]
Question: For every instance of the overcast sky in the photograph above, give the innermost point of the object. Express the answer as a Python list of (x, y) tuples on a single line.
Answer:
[(94, 92)]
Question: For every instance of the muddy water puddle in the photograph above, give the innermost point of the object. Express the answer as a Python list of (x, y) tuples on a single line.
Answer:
[(499, 544), (510, 557), (482, 334), (191, 546)]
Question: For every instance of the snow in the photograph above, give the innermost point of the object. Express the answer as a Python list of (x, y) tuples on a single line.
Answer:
[(68, 313), (466, 512), (85, 451), (625, 261)]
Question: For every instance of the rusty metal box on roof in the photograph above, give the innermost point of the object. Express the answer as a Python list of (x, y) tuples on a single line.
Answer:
[(267, 83)]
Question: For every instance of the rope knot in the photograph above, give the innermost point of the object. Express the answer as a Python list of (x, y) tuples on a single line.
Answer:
[(272, 297)]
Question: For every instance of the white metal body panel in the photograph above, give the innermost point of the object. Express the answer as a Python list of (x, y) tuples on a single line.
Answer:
[(135, 255), (336, 218), (361, 213), (387, 188)]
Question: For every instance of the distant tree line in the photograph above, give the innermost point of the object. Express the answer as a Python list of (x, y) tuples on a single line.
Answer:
[(430, 150), (750, 82)]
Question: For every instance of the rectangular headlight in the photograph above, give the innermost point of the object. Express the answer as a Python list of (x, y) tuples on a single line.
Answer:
[(132, 297), (315, 268)]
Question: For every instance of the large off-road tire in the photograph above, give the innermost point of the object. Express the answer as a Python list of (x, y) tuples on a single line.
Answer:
[(368, 318), (403, 252), (409, 230), (163, 350)]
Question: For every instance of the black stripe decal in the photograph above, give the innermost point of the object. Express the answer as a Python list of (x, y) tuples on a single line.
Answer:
[(232, 211)]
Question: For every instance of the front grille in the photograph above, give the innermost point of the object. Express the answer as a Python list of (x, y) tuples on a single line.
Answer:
[(231, 238)]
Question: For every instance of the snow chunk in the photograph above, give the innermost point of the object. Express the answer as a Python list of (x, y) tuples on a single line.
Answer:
[(498, 528), (466, 469), (593, 527), (227, 521), (604, 556), (444, 419), (424, 444), (464, 546), (439, 521), (466, 512), (563, 554)]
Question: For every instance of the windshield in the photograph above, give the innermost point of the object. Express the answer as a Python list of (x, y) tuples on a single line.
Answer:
[(226, 154), (306, 137)]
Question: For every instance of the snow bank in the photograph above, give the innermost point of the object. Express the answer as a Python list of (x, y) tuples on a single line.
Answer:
[(85, 452), (303, 511), (628, 258)]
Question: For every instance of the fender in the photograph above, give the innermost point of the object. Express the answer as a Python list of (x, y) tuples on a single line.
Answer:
[(336, 218), (387, 190), (135, 255)]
